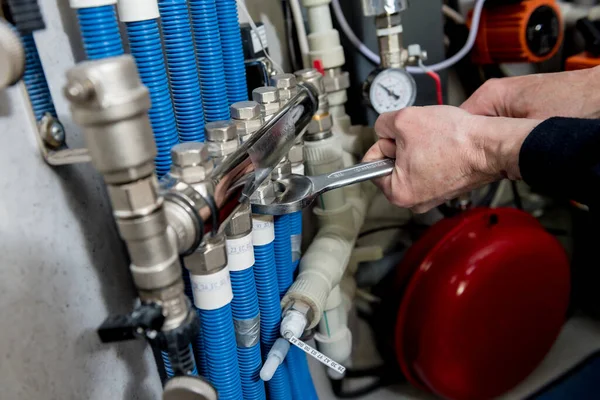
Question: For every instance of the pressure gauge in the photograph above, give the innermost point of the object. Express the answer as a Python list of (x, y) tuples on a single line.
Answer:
[(390, 89)]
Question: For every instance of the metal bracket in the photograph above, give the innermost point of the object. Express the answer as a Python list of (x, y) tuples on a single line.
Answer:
[(53, 146)]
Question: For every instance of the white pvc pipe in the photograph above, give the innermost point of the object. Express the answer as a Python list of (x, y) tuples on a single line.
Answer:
[(301, 30), (319, 18), (360, 46)]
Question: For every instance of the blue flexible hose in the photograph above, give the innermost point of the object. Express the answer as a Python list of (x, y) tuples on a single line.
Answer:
[(244, 306), (187, 354), (296, 231), (210, 59), (233, 54), (221, 352), (146, 48), (283, 253), (100, 32), (198, 346), (265, 273), (183, 73), (35, 80)]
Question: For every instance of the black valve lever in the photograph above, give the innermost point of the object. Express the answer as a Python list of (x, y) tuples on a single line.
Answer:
[(145, 321)]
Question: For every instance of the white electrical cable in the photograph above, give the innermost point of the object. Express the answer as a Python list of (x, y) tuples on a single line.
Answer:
[(452, 14), (301, 31), (360, 46), (257, 33)]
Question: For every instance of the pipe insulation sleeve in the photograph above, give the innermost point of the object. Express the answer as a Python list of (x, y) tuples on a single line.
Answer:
[(35, 80), (146, 48), (183, 73), (138, 10), (205, 26), (245, 307), (233, 53), (265, 273), (283, 252), (221, 352), (100, 32)]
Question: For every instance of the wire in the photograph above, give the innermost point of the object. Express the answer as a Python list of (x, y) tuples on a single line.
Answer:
[(244, 9), (369, 54), (438, 82), (300, 31), (452, 14)]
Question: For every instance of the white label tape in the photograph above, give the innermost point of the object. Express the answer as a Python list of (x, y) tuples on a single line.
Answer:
[(317, 355), (263, 230), (212, 291), (240, 253)]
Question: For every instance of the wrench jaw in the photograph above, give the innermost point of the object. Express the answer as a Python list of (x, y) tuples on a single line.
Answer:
[(284, 196)]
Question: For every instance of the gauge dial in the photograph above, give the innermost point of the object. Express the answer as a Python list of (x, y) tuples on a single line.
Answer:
[(391, 90)]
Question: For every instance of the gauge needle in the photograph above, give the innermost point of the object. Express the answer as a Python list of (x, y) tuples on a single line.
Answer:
[(394, 95)]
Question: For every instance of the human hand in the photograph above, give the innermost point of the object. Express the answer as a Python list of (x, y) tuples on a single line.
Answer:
[(565, 94), (442, 152)]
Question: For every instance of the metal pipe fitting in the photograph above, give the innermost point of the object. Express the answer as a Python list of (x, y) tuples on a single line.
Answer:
[(389, 35), (239, 224), (209, 258), (111, 105), (282, 170), (268, 99), (247, 118), (321, 124), (222, 139)]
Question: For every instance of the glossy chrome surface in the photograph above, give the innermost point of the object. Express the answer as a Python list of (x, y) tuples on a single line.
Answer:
[(298, 191)]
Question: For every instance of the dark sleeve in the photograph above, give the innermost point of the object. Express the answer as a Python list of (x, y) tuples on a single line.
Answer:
[(561, 158)]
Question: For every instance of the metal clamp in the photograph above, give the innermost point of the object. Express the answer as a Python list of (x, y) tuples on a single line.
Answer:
[(53, 145)]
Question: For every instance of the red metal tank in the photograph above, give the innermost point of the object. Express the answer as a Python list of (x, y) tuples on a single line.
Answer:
[(487, 295)]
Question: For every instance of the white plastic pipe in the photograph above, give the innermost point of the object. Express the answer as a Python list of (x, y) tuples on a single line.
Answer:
[(301, 30)]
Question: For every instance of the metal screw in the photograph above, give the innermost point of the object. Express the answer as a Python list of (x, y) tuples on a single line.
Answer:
[(51, 131)]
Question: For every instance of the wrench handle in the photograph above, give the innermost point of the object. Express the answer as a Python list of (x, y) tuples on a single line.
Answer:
[(349, 176)]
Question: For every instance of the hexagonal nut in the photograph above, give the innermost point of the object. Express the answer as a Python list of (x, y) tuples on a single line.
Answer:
[(284, 81), (135, 199), (240, 223), (189, 154), (281, 170), (210, 257), (269, 108), (286, 94), (245, 110), (265, 190), (296, 154), (265, 95), (248, 127), (220, 149), (337, 82), (320, 123), (193, 174), (220, 131)]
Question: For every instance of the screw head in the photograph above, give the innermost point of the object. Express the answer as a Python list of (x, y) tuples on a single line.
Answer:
[(78, 91), (265, 94), (245, 110), (221, 131), (284, 81), (189, 154)]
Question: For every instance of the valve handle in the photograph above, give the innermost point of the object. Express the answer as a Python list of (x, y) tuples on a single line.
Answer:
[(145, 321)]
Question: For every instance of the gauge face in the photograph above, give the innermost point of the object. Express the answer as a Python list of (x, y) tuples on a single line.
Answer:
[(391, 90)]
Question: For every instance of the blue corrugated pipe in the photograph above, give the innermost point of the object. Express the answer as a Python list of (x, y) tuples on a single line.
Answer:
[(188, 357), (210, 59), (265, 273), (183, 73), (233, 54), (35, 80), (100, 32), (221, 354), (283, 253), (146, 48), (245, 307), (198, 346)]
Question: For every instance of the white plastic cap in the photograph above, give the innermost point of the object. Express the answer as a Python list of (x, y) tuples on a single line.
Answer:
[(274, 358), (138, 10), (90, 3), (293, 324)]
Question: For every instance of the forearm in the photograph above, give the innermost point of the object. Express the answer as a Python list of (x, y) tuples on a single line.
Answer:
[(561, 157)]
